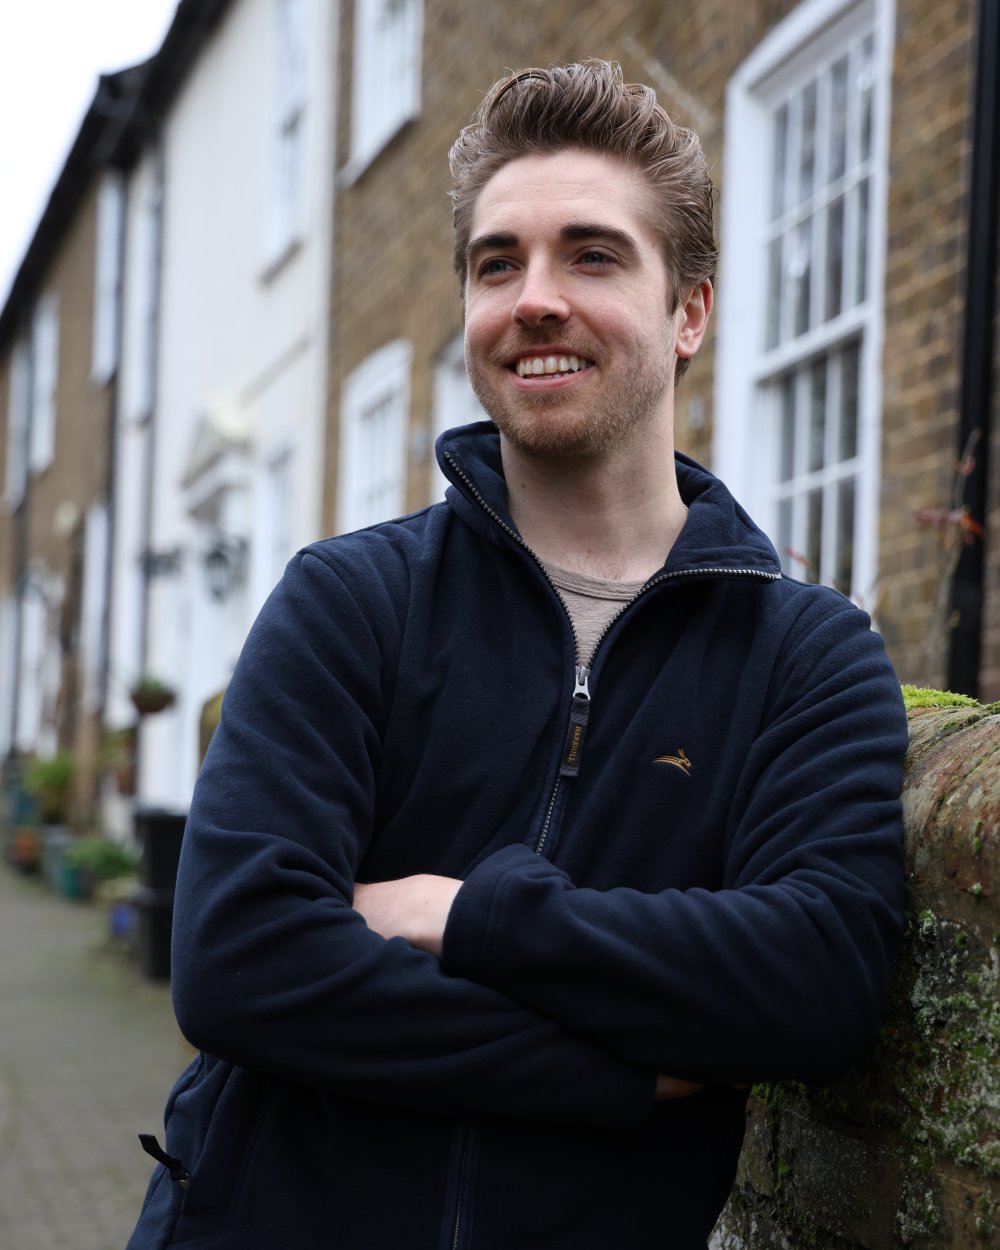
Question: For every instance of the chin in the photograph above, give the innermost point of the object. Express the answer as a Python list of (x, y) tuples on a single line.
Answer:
[(544, 436), (548, 444)]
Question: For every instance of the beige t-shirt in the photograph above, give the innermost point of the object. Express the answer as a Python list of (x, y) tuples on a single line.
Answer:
[(591, 603)]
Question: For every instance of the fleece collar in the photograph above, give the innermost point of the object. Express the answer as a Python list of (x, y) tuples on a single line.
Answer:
[(717, 537)]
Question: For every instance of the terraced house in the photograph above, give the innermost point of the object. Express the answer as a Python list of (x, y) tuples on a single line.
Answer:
[(238, 327)]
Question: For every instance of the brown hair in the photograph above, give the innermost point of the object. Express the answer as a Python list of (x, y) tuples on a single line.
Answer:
[(588, 105)]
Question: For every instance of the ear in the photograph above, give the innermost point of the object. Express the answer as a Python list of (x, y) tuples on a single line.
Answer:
[(692, 319)]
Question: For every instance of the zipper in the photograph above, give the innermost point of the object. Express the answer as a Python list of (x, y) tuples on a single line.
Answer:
[(457, 1231), (576, 732), (580, 703), (460, 1225)]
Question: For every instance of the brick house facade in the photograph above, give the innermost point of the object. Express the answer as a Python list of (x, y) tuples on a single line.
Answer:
[(57, 396), (408, 76), (393, 282)]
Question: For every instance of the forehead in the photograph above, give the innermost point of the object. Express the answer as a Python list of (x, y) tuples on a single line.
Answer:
[(565, 186)]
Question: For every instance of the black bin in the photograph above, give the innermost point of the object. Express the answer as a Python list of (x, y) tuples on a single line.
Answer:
[(159, 834)]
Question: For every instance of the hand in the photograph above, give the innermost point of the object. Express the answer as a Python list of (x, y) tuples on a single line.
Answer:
[(415, 908), (668, 1087)]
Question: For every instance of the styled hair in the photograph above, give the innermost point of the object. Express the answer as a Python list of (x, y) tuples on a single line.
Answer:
[(588, 105)]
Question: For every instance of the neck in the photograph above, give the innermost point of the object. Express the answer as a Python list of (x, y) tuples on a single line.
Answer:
[(610, 516)]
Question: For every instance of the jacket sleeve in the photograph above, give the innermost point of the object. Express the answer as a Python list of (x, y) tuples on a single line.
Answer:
[(274, 970), (781, 974)]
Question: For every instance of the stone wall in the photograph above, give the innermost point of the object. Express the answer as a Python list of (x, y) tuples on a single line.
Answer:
[(907, 1151)]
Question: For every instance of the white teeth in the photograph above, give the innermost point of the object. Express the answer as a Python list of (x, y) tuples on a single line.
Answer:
[(535, 366)]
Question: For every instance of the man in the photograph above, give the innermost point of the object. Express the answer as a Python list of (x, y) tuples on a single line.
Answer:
[(541, 822)]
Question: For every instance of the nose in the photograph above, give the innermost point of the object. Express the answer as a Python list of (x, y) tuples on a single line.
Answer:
[(540, 297)]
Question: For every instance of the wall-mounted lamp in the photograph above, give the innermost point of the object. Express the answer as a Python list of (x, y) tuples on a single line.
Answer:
[(224, 563)]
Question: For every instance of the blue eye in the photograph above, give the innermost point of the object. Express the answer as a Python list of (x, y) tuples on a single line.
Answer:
[(494, 265), (595, 258)]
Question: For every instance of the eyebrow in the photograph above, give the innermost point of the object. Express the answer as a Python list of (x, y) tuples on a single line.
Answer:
[(572, 232)]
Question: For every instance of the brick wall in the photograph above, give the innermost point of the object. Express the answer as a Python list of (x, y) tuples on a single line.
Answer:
[(57, 499), (78, 473), (929, 154), (392, 275)]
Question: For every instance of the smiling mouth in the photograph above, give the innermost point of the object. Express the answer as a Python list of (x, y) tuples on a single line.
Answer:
[(550, 366)]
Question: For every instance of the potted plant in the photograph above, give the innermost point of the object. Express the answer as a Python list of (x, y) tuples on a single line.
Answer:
[(151, 694), (22, 845), (92, 860), (50, 780)]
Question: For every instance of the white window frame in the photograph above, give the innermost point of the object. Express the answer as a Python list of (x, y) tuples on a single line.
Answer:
[(107, 278), (8, 670), (92, 609), (286, 195), (18, 408), (745, 448), (279, 503), (44, 383), (455, 403), (373, 461), (39, 663), (386, 80)]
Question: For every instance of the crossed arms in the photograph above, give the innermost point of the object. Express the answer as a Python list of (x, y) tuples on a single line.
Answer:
[(282, 962), (416, 909)]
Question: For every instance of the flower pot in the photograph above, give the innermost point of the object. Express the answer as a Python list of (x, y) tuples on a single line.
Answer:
[(69, 882), (55, 839), (24, 849)]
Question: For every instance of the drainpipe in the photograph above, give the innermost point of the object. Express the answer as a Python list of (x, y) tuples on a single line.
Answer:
[(978, 349)]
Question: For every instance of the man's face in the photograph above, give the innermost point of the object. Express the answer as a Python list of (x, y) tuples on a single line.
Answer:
[(569, 343)]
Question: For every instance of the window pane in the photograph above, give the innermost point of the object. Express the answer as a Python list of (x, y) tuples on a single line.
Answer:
[(817, 414), (800, 271), (865, 81), (785, 537), (807, 141), (848, 444), (773, 327), (861, 266), (814, 534), (844, 574), (787, 427), (779, 162), (838, 119), (834, 258)]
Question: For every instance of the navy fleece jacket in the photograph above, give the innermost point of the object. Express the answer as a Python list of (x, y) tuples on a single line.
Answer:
[(706, 883)]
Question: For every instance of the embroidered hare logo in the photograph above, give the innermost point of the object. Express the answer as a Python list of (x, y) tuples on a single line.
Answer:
[(680, 760)]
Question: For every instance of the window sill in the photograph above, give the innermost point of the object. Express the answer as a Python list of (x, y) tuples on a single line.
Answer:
[(279, 260), (362, 160)]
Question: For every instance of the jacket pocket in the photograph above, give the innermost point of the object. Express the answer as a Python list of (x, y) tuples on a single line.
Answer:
[(213, 1132)]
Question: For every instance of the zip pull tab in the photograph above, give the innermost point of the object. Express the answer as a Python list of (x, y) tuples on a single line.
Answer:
[(579, 712), (178, 1172)]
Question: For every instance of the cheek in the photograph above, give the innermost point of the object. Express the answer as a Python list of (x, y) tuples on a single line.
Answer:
[(485, 322)]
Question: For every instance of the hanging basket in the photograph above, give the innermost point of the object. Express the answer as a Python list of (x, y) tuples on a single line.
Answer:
[(149, 700)]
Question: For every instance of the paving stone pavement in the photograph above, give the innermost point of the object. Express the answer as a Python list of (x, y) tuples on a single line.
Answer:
[(88, 1052)]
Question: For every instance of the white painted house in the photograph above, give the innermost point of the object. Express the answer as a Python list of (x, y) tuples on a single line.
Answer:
[(219, 449)]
